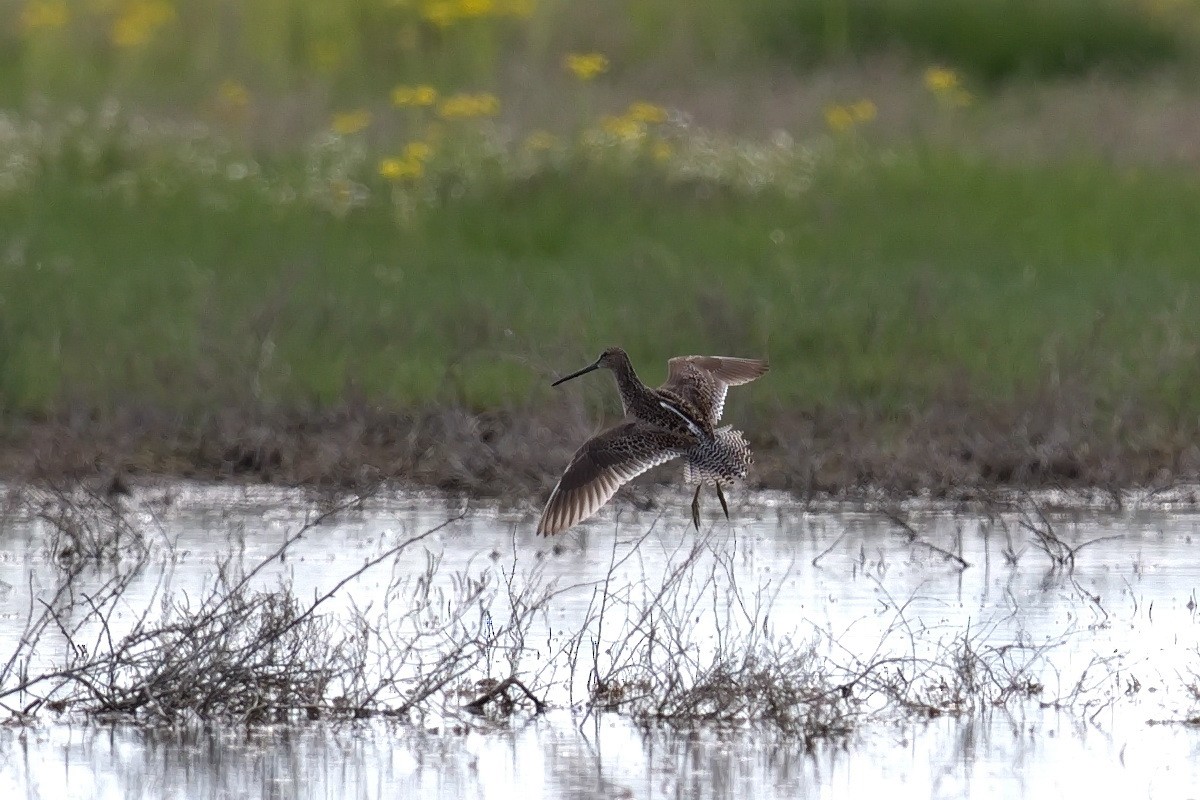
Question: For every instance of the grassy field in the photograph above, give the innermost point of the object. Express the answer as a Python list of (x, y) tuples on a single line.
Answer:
[(885, 282), (286, 230)]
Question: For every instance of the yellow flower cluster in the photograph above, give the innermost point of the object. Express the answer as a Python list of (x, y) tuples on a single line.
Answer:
[(44, 15), (139, 20), (349, 123), (409, 165), (948, 86), (631, 125), (623, 127), (647, 113), (404, 96), (841, 118), (445, 13), (586, 66), (464, 106)]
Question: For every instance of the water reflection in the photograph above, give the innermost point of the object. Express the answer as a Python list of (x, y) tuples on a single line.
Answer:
[(988, 756), (1122, 631)]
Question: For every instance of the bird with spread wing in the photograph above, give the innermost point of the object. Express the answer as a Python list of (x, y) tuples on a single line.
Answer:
[(677, 420)]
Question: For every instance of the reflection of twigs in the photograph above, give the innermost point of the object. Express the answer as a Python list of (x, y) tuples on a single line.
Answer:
[(899, 520)]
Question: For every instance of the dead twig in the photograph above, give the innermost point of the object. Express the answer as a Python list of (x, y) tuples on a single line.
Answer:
[(499, 691), (897, 518)]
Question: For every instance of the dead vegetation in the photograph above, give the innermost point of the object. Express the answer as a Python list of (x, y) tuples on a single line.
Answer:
[(109, 634), (238, 649), (701, 648), (954, 448)]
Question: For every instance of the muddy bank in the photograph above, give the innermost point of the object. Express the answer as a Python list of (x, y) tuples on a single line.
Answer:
[(955, 447)]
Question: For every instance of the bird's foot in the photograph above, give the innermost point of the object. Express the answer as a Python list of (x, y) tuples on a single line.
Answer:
[(696, 508), (721, 497)]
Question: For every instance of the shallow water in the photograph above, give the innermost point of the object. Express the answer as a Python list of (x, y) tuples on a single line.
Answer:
[(1114, 644)]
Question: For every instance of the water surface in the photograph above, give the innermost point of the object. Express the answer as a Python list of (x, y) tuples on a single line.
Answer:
[(1113, 643)]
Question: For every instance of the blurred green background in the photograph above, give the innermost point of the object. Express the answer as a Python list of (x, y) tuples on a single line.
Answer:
[(286, 204)]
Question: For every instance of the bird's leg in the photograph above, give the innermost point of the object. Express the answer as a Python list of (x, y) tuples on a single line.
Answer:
[(696, 507), (721, 497)]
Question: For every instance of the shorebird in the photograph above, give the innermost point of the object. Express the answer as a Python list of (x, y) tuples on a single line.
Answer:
[(676, 420)]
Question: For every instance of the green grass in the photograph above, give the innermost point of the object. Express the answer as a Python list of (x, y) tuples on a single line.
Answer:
[(886, 284), (991, 39)]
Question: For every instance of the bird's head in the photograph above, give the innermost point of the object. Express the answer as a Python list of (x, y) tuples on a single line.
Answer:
[(612, 358)]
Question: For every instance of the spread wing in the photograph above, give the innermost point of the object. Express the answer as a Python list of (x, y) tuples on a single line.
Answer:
[(705, 380), (604, 464)]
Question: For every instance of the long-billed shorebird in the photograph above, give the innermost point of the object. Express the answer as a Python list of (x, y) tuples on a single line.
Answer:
[(676, 420)]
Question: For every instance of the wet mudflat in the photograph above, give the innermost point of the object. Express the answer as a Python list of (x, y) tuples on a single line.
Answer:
[(835, 651)]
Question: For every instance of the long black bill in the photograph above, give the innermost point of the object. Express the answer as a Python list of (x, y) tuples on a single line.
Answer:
[(583, 371)]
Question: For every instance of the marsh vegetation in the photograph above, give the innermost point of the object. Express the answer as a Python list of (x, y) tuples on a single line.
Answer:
[(113, 627)]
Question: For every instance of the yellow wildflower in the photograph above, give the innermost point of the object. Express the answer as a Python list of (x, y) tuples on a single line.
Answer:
[(414, 96), (489, 104), (623, 128), (234, 94), (647, 113), (397, 169), (839, 118), (418, 151), (940, 79), (541, 140), (863, 111), (948, 86), (391, 168), (139, 21), (349, 123), (586, 66), (461, 106), (662, 151), (50, 14)]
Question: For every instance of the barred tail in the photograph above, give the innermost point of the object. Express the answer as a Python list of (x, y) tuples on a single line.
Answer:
[(725, 459)]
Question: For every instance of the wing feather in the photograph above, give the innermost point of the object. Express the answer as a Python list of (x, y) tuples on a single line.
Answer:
[(727, 369), (601, 466), (704, 381)]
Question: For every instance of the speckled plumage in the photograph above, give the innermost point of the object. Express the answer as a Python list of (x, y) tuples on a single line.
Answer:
[(725, 459), (676, 420), (640, 401)]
